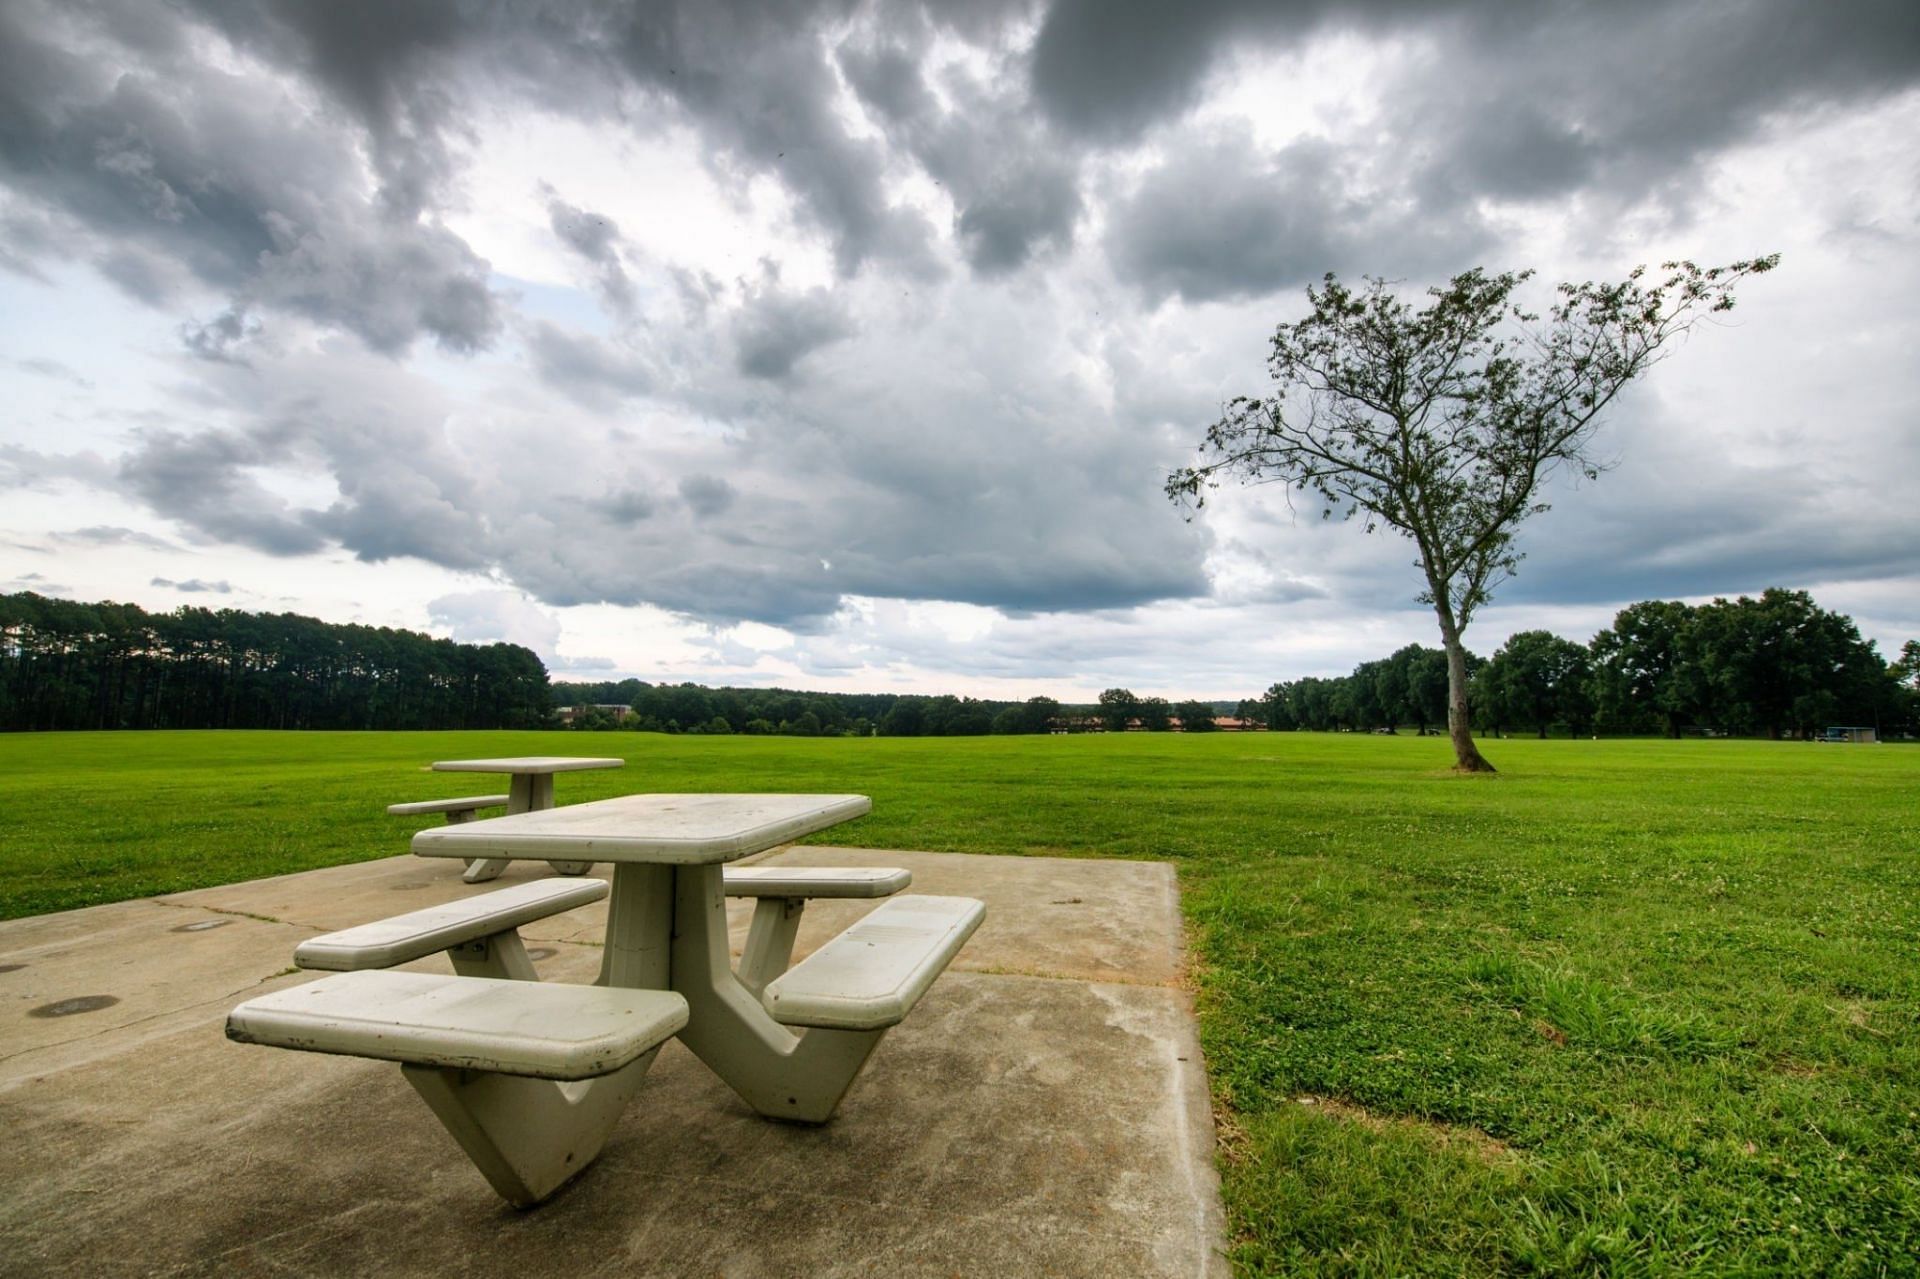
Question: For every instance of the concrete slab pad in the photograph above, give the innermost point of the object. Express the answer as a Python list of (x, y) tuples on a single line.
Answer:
[(1014, 1125), (137, 968), (1046, 916)]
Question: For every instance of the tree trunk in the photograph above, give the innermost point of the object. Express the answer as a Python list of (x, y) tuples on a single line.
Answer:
[(1466, 756)]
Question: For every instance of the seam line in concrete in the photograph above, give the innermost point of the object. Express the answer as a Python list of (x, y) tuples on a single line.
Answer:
[(1174, 984), (222, 910)]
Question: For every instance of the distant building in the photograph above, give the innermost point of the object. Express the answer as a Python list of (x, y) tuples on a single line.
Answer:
[(616, 711)]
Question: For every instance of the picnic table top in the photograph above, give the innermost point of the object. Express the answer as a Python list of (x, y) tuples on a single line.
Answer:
[(526, 764), (684, 830)]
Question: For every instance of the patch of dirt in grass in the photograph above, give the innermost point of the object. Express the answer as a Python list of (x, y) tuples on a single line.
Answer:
[(1482, 1145), (1230, 1139), (1859, 1016)]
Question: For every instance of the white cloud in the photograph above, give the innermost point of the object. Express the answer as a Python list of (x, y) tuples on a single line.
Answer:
[(865, 391)]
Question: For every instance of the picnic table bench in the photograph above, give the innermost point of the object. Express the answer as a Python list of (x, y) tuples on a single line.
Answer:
[(460, 808), (481, 934), (528, 1076)]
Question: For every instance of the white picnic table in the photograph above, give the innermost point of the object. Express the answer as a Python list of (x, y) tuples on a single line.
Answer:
[(529, 790), (530, 1076)]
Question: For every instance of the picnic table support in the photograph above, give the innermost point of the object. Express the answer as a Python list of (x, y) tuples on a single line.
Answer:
[(528, 1136), (770, 938), (458, 811), (638, 950), (531, 793), (529, 1077), (780, 1074), (526, 793)]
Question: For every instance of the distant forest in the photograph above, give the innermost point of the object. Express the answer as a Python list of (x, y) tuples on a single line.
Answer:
[(66, 665), (1776, 666), (695, 708)]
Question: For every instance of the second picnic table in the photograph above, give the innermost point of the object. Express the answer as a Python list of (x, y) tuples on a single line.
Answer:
[(529, 791)]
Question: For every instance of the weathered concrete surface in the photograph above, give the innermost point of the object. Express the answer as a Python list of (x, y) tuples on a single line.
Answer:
[(1043, 1112)]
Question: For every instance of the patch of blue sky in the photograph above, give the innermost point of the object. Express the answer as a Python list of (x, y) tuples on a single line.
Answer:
[(80, 360), (565, 305)]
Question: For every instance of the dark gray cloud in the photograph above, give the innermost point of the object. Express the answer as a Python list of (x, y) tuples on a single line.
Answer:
[(994, 434), (776, 329), (1514, 101), (194, 586), (25, 468), (219, 338), (706, 495), (1016, 194), (596, 238), (1680, 520), (1108, 71), (1223, 220), (755, 78), (204, 481), (591, 370), (168, 164), (628, 506)]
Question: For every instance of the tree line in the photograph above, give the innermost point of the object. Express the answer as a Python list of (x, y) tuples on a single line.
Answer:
[(1773, 666), (696, 708), (1777, 665), (68, 665)]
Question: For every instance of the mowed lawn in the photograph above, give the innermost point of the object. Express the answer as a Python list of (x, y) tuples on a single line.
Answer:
[(1627, 1008)]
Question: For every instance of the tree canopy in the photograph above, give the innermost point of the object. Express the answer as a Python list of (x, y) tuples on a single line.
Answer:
[(1443, 422), (69, 665)]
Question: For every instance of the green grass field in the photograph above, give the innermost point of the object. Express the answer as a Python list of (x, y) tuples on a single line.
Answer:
[(1627, 1008)]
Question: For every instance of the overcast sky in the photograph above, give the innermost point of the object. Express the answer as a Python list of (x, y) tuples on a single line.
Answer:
[(847, 347)]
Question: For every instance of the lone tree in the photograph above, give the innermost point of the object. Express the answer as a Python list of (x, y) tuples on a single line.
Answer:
[(1443, 423)]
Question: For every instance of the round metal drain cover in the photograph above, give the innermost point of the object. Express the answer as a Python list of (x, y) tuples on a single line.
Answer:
[(202, 926), (78, 1004)]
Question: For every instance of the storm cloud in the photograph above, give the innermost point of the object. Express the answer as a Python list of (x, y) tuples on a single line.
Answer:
[(827, 317)]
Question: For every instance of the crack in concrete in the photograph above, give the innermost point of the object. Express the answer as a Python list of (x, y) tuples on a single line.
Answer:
[(222, 910)]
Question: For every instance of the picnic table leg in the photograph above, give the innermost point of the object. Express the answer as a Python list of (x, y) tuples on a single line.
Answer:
[(503, 956), (479, 869), (639, 952), (533, 793), (528, 1136), (769, 948), (780, 1074)]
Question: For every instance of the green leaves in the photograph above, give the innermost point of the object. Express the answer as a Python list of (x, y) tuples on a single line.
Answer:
[(1442, 422)]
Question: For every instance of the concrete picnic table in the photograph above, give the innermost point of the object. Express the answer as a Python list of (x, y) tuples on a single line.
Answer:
[(530, 1076), (530, 790)]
